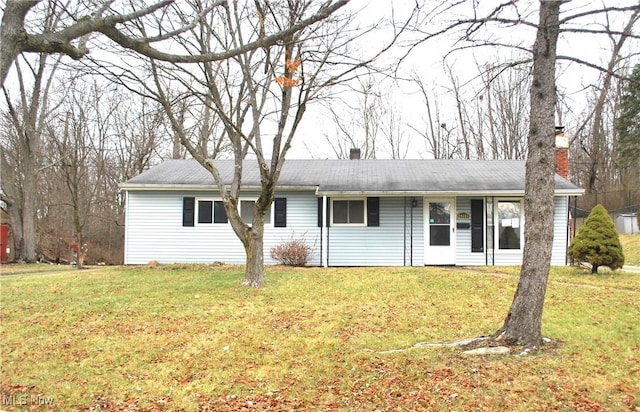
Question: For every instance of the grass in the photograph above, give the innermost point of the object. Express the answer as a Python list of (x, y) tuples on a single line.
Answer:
[(631, 248), (190, 338)]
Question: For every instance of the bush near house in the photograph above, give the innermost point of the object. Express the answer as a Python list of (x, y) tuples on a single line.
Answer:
[(295, 252), (597, 242)]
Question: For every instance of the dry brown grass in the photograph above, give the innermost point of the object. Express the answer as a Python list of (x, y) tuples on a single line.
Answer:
[(190, 338)]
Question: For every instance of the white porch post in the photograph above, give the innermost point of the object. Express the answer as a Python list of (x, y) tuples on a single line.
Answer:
[(325, 233)]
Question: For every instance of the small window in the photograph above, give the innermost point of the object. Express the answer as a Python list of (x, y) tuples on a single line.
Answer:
[(509, 224), (211, 211), (219, 214), (348, 212), (247, 208), (205, 211)]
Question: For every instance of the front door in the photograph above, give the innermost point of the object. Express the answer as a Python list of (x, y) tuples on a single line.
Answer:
[(439, 232)]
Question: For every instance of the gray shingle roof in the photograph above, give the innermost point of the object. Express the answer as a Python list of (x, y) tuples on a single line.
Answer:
[(356, 176)]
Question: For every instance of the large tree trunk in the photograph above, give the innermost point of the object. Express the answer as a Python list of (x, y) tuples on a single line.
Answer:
[(254, 270), (523, 325), (28, 252), (29, 187)]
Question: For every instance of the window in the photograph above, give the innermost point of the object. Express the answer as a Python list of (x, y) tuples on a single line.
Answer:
[(219, 214), (211, 211), (246, 212), (348, 212), (509, 224), (205, 211)]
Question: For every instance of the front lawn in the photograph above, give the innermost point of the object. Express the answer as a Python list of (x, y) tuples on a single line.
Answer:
[(631, 247), (190, 338)]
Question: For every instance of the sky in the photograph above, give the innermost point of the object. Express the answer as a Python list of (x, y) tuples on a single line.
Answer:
[(427, 61), (574, 80)]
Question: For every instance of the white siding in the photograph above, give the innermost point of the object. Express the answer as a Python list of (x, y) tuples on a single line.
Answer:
[(560, 231), (154, 230), (559, 248), (383, 245), (464, 256)]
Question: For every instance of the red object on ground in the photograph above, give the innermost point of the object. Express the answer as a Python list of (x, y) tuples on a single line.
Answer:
[(4, 243)]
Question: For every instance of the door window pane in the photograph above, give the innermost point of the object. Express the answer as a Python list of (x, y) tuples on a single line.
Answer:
[(439, 235), (439, 223), (509, 224), (439, 213)]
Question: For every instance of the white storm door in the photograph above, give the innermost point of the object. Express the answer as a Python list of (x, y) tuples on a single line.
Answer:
[(439, 229)]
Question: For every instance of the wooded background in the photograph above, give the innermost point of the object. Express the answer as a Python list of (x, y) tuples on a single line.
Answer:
[(71, 131)]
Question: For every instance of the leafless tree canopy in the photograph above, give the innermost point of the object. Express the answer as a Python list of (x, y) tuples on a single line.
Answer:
[(75, 22)]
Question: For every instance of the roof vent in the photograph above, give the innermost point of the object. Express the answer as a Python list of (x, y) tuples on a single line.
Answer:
[(354, 154)]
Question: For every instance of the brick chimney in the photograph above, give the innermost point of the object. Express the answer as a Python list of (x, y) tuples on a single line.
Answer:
[(562, 153), (354, 154)]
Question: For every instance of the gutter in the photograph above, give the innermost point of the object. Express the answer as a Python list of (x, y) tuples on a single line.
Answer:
[(188, 187), (473, 193), (360, 193)]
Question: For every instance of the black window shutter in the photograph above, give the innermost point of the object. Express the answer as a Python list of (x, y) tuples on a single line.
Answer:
[(328, 211), (280, 205), (219, 213), (321, 214), (373, 211), (477, 225), (188, 211)]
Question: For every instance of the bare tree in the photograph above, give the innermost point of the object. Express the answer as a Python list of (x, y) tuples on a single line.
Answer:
[(435, 130), (598, 152), (21, 151), (463, 139), (258, 93), (523, 325), (392, 128), (80, 148), (357, 125), (79, 20), (523, 322)]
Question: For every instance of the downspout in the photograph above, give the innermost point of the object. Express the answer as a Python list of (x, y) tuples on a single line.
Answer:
[(413, 200), (493, 231), (321, 243), (486, 234), (404, 234), (566, 255), (326, 232), (575, 215)]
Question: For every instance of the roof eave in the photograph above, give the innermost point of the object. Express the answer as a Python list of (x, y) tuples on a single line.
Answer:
[(379, 193), (190, 187), (442, 193)]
